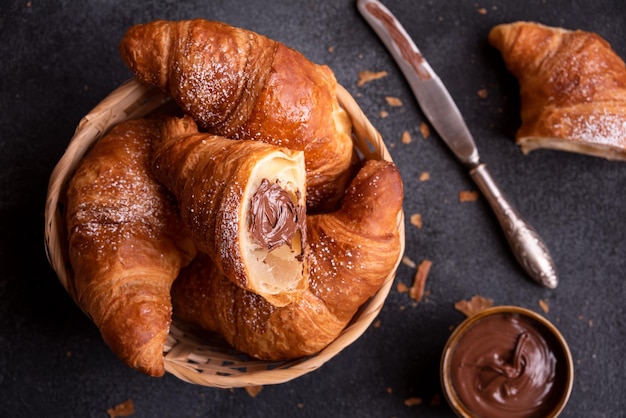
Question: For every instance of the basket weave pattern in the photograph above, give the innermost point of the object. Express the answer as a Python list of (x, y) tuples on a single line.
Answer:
[(190, 354)]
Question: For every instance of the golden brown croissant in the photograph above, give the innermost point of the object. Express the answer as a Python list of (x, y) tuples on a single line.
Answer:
[(572, 88), (353, 250), (238, 84), (126, 245), (244, 204)]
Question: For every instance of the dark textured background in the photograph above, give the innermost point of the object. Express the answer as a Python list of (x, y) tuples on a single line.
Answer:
[(58, 59)]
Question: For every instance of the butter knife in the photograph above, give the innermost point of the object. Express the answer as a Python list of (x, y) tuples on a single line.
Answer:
[(445, 117)]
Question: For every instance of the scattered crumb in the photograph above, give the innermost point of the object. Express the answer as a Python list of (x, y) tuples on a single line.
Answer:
[(416, 220), (424, 176), (482, 11), (406, 137), (590, 323), (331, 49), (300, 405), (402, 288), (580, 317), (389, 391), (402, 308), (376, 323), (544, 305), (425, 130), (85, 87), (125, 409), (29, 3), (383, 114), (253, 390), (475, 305), (419, 281), (468, 196), (367, 76), (483, 93), (436, 400), (413, 401), (408, 262), (68, 354), (393, 101)]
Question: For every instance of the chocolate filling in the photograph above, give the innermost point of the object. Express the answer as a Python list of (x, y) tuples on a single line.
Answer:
[(275, 217), (508, 366)]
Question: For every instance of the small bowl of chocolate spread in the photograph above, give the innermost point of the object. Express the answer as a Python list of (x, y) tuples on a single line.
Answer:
[(507, 361)]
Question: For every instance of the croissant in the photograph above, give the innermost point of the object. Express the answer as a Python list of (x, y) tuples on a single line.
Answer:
[(126, 245), (353, 250), (244, 204), (242, 85), (572, 88)]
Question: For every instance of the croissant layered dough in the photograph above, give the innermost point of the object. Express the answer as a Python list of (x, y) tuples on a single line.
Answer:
[(244, 203), (353, 251), (572, 88), (239, 84), (126, 245)]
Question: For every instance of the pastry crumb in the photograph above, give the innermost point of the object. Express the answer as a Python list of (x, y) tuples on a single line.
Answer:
[(419, 281), (482, 11), (416, 220), (544, 306), (393, 101), (383, 114), (436, 400), (424, 176), (483, 93), (473, 306), (424, 130), (367, 76), (468, 196), (331, 49), (402, 288), (253, 390), (125, 409), (406, 137), (408, 262), (413, 401), (376, 323)]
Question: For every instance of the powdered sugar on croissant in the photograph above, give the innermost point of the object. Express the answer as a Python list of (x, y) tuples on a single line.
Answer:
[(353, 251), (572, 88), (244, 204), (126, 245), (239, 84)]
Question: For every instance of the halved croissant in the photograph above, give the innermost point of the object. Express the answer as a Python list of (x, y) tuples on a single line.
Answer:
[(126, 245), (238, 84), (572, 87), (353, 250), (244, 204)]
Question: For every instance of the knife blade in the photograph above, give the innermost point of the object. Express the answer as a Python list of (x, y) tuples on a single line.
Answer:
[(443, 114)]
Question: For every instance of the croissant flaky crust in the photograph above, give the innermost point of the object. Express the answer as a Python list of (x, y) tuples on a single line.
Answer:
[(353, 250), (239, 84), (572, 88), (244, 204), (126, 244)]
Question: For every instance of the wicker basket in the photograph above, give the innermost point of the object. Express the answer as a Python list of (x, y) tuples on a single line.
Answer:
[(192, 355)]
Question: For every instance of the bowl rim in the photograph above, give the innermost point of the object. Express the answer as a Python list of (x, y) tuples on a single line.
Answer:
[(448, 388)]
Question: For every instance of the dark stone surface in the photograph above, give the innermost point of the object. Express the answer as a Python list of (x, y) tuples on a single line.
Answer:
[(59, 59)]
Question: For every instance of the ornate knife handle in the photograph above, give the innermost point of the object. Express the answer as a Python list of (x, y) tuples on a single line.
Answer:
[(528, 247)]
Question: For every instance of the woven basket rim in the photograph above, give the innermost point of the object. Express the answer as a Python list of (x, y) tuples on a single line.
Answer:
[(185, 356)]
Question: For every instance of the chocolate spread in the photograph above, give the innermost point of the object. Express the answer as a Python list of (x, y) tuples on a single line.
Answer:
[(274, 217), (508, 365)]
